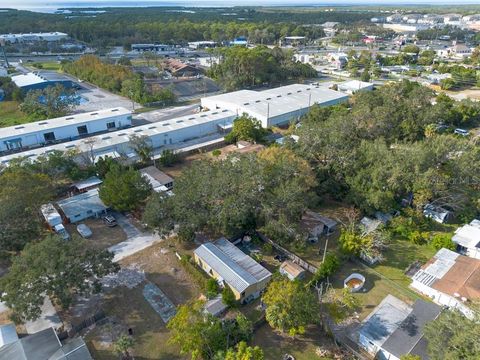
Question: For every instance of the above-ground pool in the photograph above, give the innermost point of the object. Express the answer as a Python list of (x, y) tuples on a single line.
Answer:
[(354, 282)]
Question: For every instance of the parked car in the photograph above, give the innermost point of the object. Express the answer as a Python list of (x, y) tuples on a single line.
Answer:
[(62, 232), (84, 231), (462, 132), (110, 221)]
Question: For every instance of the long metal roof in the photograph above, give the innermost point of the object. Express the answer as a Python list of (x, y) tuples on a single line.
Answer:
[(235, 267)]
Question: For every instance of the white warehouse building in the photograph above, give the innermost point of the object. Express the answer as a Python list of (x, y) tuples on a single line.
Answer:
[(275, 106), (22, 137), (47, 36), (162, 134)]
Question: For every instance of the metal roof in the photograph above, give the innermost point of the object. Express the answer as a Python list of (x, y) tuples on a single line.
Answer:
[(110, 140), (82, 203), (235, 267), (468, 235), (384, 320), (49, 124), (91, 181), (407, 336), (8, 334)]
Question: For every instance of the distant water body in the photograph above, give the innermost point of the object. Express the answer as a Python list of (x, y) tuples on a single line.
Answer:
[(53, 5)]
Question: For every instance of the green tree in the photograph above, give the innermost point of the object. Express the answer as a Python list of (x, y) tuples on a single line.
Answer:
[(351, 243), (443, 240), (51, 102), (228, 297), (211, 288), (326, 268), (241, 352), (122, 346), (124, 189), (22, 192), (169, 158), (246, 128), (142, 145), (450, 336), (56, 268), (410, 357), (290, 306)]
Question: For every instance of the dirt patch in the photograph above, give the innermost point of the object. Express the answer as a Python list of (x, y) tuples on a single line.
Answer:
[(185, 162), (129, 277), (102, 235)]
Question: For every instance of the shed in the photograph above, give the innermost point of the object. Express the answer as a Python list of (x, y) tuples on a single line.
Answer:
[(316, 225), (292, 270), (82, 206), (85, 185), (215, 306)]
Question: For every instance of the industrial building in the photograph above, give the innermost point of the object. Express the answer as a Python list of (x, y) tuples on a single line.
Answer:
[(231, 267), (67, 128), (159, 48), (42, 79), (277, 106), (48, 36), (162, 135)]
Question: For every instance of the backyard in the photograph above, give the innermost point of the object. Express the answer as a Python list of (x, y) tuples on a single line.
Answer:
[(10, 114)]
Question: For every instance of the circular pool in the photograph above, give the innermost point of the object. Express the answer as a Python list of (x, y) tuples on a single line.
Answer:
[(354, 282)]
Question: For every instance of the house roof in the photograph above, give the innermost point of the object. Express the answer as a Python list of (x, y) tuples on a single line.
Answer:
[(82, 203), (215, 306), (384, 320), (406, 338), (8, 334), (468, 235), (310, 220), (292, 268), (235, 267), (156, 177), (452, 274), (45, 345)]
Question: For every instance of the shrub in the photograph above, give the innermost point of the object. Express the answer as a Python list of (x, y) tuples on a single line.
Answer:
[(443, 240), (228, 297), (211, 288), (417, 237), (326, 268), (216, 152)]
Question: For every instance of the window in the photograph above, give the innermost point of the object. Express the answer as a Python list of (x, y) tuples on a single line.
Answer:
[(82, 130), (111, 125), (50, 136)]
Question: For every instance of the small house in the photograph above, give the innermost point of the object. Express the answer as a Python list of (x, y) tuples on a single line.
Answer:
[(395, 329), (158, 179), (450, 279), (292, 270), (231, 267), (437, 213), (467, 239), (83, 206), (215, 306), (315, 225)]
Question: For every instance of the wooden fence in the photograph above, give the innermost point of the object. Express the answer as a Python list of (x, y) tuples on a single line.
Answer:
[(296, 259), (78, 326)]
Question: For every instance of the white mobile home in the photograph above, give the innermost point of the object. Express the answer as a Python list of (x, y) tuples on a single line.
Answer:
[(467, 239), (22, 137), (83, 206)]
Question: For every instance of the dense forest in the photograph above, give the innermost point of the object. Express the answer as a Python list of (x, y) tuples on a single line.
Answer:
[(124, 26)]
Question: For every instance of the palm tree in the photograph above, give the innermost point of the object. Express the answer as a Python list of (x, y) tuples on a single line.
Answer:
[(122, 345)]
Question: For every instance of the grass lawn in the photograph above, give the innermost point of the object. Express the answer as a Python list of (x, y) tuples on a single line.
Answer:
[(276, 345), (47, 65), (10, 114)]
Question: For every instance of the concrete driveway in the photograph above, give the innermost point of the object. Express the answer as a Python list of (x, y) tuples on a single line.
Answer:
[(136, 240), (49, 318)]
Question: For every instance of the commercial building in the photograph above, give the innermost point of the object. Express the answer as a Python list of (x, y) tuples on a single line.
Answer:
[(353, 86), (467, 239), (395, 329), (231, 267), (66, 128), (277, 106), (40, 80), (159, 48), (83, 206), (450, 279), (48, 36), (162, 134)]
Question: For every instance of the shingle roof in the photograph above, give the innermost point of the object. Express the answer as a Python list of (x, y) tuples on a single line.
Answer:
[(235, 267), (407, 336)]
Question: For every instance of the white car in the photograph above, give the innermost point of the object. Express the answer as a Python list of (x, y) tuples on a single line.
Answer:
[(84, 231), (62, 232), (462, 132)]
